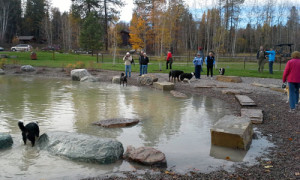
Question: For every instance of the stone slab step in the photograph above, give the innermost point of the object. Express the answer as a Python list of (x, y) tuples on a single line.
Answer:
[(245, 100), (233, 79), (166, 86), (255, 115), (233, 132)]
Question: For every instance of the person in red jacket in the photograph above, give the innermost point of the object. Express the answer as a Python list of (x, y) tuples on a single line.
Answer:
[(169, 59), (292, 76)]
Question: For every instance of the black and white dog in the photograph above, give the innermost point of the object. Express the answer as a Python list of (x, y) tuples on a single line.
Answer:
[(188, 76), (175, 74), (222, 71), (123, 79), (30, 131)]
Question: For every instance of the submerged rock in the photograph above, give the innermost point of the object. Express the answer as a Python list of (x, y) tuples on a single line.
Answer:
[(117, 122), (146, 156), (2, 72), (6, 140), (81, 147)]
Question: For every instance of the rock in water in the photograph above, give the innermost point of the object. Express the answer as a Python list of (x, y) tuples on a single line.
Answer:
[(117, 122), (81, 147), (78, 74), (27, 68), (146, 156), (5, 140)]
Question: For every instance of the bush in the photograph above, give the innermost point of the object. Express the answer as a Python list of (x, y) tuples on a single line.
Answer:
[(2, 63)]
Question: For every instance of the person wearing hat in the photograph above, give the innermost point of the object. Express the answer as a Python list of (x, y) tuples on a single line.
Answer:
[(291, 74), (198, 61), (127, 59)]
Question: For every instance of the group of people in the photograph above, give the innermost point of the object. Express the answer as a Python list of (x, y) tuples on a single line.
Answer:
[(262, 56), (143, 61), (198, 63)]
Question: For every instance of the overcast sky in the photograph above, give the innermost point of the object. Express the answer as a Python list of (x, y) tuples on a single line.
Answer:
[(126, 12)]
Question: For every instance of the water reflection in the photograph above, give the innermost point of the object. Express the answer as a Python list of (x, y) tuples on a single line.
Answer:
[(178, 127)]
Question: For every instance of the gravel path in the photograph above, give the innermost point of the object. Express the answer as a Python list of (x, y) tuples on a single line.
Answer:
[(281, 127)]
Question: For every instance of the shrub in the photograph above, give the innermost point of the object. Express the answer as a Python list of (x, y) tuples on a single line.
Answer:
[(2, 63), (79, 65)]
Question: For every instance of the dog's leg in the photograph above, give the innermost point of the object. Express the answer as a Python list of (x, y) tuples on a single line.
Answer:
[(24, 137)]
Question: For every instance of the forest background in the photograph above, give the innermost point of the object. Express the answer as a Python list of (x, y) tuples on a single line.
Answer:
[(227, 27)]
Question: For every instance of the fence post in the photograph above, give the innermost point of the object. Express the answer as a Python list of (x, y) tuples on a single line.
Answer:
[(244, 62)]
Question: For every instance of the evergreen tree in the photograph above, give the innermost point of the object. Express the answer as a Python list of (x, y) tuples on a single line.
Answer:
[(91, 33)]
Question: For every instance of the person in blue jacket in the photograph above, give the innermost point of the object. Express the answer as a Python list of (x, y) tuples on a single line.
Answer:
[(198, 61), (210, 62), (271, 56)]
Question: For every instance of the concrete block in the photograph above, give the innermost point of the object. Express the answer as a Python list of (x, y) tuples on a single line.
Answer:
[(255, 115), (234, 79), (166, 86), (245, 100), (233, 132)]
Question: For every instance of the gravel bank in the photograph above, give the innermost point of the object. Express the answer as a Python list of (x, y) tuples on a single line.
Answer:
[(281, 127)]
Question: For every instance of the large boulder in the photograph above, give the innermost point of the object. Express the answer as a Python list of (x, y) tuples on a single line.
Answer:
[(81, 147), (27, 68), (2, 72), (147, 79), (146, 156), (6, 140), (78, 74), (117, 122)]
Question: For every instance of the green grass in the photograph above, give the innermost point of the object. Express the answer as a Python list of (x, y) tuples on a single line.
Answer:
[(106, 62)]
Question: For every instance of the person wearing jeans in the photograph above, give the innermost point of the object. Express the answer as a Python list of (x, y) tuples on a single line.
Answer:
[(271, 56), (291, 74), (127, 59), (144, 62), (140, 61), (210, 62), (198, 61)]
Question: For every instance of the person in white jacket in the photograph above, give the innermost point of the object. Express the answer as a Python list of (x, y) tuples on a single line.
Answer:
[(127, 59)]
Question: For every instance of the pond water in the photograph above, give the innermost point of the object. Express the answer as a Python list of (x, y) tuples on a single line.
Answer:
[(178, 127)]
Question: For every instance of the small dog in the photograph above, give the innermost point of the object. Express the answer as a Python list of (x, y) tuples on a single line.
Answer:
[(287, 92), (188, 76), (175, 74), (30, 131), (123, 79), (222, 71)]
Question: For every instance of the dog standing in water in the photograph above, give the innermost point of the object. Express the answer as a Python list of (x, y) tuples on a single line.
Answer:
[(30, 131), (123, 79)]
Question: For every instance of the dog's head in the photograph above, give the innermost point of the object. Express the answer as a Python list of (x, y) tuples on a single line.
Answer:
[(193, 74), (222, 71), (122, 74)]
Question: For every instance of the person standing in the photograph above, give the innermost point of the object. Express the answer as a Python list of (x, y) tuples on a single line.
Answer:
[(144, 62), (271, 56), (127, 59), (198, 61), (291, 74), (140, 61), (169, 59), (210, 62), (261, 56)]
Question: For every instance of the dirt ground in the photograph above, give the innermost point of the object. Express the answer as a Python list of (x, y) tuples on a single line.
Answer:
[(281, 127)]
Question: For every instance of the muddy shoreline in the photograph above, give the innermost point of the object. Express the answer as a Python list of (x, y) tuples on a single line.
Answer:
[(280, 126)]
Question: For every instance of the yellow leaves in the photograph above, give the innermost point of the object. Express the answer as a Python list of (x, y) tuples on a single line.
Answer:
[(267, 167), (290, 139), (227, 158), (297, 173)]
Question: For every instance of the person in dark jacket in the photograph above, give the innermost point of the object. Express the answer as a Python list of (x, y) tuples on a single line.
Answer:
[(261, 56), (210, 62), (140, 60), (144, 62)]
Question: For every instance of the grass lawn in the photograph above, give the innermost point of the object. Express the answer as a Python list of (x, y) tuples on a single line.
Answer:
[(49, 59)]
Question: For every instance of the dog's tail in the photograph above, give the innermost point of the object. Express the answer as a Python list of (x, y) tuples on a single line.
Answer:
[(21, 126)]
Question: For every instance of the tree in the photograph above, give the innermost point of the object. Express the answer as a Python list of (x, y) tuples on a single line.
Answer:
[(91, 33), (137, 32)]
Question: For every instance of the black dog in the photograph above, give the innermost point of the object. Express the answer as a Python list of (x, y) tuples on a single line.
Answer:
[(30, 131), (222, 71), (188, 76), (175, 74), (123, 79)]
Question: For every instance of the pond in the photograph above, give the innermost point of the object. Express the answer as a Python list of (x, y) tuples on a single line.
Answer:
[(178, 127)]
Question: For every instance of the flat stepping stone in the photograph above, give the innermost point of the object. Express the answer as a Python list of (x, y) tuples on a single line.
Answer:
[(245, 100), (233, 132), (178, 94), (146, 156), (233, 79), (6, 140), (255, 115), (234, 91), (117, 122), (166, 86)]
